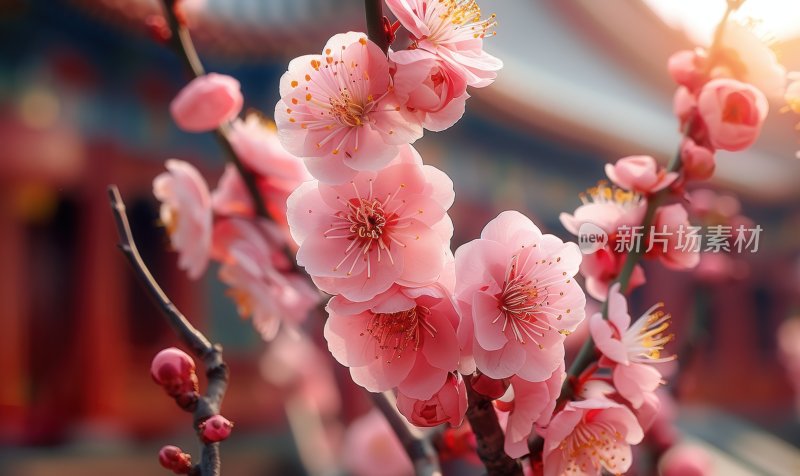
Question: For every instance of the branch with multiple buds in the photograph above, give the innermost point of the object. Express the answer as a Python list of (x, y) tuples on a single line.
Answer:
[(174, 369)]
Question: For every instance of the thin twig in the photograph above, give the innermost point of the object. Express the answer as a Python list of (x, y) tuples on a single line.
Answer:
[(374, 12), (181, 42), (489, 435), (417, 446), (211, 354)]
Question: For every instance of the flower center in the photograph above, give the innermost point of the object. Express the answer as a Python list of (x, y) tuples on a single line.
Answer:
[(605, 193), (648, 338), (367, 219), (591, 445), (395, 331), (520, 302), (346, 111), (169, 218), (737, 109), (467, 14), (367, 225)]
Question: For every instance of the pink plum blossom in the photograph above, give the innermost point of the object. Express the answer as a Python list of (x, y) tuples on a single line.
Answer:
[(454, 31), (447, 405), (231, 198), (186, 214), (384, 227), (529, 404), (428, 87), (517, 298), (370, 446), (338, 111), (404, 338), (590, 436), (640, 173), (672, 222), (631, 349), (256, 142), (207, 102), (733, 113), (610, 209), (303, 372), (260, 276)]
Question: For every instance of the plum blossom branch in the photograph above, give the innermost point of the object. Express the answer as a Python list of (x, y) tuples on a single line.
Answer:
[(375, 23), (211, 354), (489, 434), (418, 447), (587, 353), (181, 41)]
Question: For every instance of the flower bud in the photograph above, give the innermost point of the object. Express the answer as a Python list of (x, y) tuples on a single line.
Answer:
[(448, 404), (207, 102), (698, 162), (686, 68), (215, 428), (489, 387), (174, 370), (733, 113), (173, 458)]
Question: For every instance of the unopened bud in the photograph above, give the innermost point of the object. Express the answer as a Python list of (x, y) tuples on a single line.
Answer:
[(489, 387), (174, 459), (174, 370), (215, 428)]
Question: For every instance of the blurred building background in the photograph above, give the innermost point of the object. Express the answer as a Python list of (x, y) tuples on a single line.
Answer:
[(84, 92)]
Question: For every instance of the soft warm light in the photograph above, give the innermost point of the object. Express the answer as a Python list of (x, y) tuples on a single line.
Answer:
[(774, 19)]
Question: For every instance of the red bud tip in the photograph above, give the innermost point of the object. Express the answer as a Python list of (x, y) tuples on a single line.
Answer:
[(389, 29), (174, 370), (215, 428), (173, 458)]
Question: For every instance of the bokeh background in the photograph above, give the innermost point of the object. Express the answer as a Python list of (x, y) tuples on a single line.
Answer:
[(84, 95)]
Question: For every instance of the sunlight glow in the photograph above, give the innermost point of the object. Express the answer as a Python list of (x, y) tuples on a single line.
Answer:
[(773, 19)]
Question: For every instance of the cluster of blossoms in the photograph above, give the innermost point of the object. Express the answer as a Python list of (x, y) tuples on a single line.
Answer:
[(407, 314), (222, 224), (622, 205), (369, 223), (372, 228), (720, 105)]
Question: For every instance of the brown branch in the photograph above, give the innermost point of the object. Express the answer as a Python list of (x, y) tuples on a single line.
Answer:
[(489, 435), (181, 41), (417, 446), (375, 30), (211, 354)]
